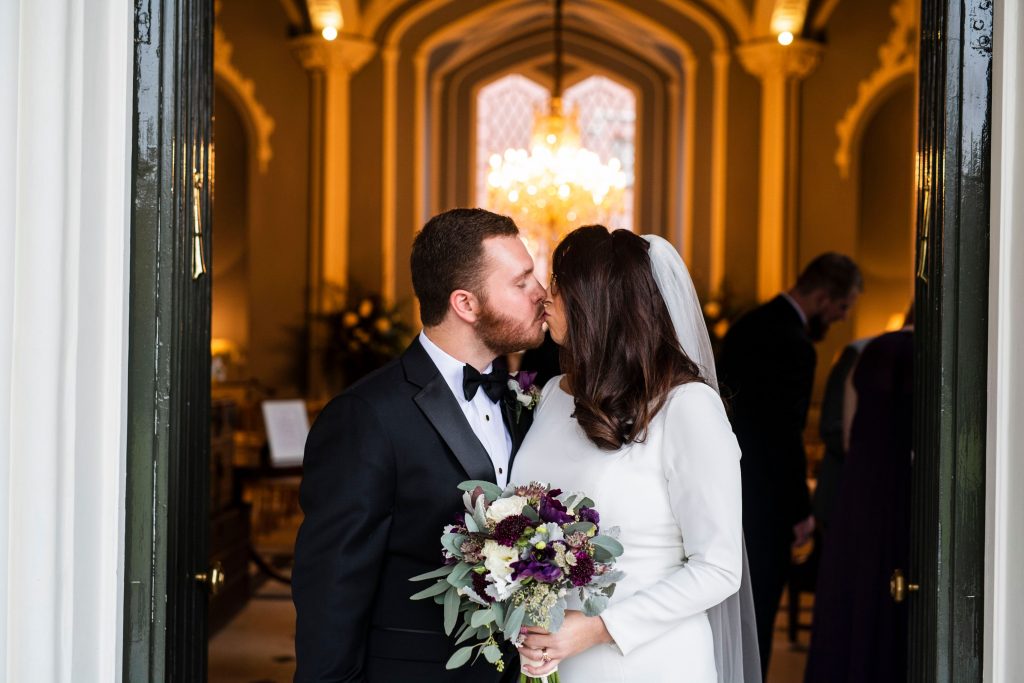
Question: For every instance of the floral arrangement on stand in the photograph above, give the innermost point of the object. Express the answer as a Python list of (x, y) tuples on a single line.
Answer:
[(359, 336), (511, 558)]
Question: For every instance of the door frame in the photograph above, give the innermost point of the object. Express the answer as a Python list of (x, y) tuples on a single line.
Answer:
[(951, 343), (167, 469)]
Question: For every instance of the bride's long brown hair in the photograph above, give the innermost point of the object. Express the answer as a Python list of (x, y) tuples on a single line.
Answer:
[(620, 351)]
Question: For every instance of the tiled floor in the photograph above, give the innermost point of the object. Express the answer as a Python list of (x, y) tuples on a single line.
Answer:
[(256, 647)]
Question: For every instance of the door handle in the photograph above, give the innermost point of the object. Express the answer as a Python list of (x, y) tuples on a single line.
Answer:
[(198, 255), (214, 578), (898, 586)]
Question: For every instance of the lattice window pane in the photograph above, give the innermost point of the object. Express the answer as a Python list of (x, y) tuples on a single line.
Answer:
[(607, 117), (504, 119)]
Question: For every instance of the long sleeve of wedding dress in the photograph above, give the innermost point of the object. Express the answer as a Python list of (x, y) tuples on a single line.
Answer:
[(700, 461)]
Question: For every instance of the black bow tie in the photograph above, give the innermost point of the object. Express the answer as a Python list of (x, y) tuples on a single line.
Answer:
[(494, 383)]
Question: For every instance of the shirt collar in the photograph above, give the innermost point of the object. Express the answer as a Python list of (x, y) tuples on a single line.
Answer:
[(799, 311), (451, 368)]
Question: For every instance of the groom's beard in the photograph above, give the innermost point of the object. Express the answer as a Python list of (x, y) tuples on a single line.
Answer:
[(502, 334), (817, 328)]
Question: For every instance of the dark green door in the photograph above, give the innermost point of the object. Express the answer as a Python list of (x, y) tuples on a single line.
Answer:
[(166, 518), (946, 576)]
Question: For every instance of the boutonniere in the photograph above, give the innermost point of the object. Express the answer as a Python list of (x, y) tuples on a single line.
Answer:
[(524, 392)]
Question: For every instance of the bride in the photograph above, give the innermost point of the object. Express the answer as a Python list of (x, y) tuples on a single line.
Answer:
[(637, 423)]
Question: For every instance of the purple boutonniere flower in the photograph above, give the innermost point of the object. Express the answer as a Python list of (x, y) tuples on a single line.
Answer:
[(525, 380), (523, 391)]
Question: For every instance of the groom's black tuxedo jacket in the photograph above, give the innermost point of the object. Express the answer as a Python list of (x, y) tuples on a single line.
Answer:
[(381, 469)]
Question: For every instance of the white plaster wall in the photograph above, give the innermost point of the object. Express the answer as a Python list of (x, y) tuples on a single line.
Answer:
[(1004, 524), (65, 124)]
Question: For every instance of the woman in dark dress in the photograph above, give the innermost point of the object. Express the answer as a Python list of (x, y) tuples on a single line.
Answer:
[(860, 633)]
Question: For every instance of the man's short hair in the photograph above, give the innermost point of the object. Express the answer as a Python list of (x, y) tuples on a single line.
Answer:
[(448, 254), (837, 274)]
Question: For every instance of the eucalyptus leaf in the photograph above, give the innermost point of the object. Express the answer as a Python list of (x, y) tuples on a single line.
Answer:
[(490, 489), (437, 588), (484, 616), (451, 610), (499, 613), (492, 653), (465, 635), (513, 622), (436, 574), (460, 657), (608, 543), (530, 513), (458, 576)]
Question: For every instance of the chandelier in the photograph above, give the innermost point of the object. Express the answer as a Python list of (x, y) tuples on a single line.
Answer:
[(558, 184)]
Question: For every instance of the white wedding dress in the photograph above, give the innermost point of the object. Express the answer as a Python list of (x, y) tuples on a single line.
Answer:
[(676, 499)]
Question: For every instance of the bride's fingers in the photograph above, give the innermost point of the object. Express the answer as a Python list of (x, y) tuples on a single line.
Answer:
[(537, 641), (544, 670)]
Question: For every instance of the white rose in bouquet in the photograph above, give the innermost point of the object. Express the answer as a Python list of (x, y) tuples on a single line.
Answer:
[(498, 559), (506, 507)]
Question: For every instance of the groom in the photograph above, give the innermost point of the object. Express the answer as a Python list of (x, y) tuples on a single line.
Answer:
[(384, 458)]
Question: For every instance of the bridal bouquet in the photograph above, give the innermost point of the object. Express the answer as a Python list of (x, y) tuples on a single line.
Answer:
[(511, 559)]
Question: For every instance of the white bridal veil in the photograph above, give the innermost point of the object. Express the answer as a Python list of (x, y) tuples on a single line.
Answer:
[(732, 621)]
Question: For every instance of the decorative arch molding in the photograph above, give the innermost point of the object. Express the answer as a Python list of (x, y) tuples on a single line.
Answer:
[(243, 91), (898, 61), (378, 13)]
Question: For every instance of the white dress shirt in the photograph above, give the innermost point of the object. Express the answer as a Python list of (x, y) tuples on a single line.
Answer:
[(484, 415)]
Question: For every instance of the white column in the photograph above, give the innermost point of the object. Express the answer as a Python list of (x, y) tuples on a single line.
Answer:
[(779, 68), (335, 61), (65, 125), (1004, 519)]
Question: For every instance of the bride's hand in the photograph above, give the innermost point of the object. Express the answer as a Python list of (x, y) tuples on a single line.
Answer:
[(578, 633)]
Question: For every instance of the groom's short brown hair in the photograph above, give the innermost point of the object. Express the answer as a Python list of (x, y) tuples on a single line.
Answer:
[(448, 255)]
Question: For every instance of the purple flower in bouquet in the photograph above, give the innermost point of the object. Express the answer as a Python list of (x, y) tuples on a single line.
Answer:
[(541, 571), (508, 530), (589, 515), (583, 572), (552, 510), (480, 586)]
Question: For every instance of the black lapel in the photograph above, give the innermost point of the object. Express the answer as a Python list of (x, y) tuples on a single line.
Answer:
[(440, 407)]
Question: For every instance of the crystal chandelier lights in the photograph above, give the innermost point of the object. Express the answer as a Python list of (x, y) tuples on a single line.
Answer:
[(558, 184)]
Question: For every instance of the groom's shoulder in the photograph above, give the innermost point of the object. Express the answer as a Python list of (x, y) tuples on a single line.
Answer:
[(383, 385)]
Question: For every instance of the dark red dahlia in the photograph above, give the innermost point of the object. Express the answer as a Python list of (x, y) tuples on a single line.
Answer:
[(479, 585), (583, 572), (508, 530)]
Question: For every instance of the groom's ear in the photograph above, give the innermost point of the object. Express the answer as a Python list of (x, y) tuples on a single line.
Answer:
[(465, 305)]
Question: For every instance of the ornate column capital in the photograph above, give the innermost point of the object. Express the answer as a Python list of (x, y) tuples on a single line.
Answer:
[(766, 58), (347, 53)]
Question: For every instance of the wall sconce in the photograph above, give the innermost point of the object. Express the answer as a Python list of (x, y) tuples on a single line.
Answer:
[(326, 17)]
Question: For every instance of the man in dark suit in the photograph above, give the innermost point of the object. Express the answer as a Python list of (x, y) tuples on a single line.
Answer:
[(767, 374), (383, 461)]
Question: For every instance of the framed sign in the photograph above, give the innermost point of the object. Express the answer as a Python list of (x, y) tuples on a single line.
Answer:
[(287, 426)]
